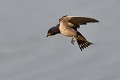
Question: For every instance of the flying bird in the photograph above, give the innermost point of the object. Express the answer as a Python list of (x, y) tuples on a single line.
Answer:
[(68, 26)]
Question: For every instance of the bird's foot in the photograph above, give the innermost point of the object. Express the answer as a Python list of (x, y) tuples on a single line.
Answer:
[(72, 41)]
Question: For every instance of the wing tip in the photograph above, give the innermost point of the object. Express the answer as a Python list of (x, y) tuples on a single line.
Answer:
[(96, 20)]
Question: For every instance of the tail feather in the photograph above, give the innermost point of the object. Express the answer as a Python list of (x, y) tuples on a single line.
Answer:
[(83, 44)]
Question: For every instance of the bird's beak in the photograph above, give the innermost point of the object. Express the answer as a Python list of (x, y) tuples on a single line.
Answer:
[(49, 34)]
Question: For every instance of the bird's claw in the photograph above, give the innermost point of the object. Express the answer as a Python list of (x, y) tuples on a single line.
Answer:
[(72, 41)]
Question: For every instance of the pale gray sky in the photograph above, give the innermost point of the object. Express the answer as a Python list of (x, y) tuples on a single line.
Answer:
[(26, 53)]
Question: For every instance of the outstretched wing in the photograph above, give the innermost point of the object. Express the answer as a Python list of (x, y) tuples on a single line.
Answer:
[(82, 42), (81, 20), (76, 20)]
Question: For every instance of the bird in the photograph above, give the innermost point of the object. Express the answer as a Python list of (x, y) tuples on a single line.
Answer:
[(69, 25)]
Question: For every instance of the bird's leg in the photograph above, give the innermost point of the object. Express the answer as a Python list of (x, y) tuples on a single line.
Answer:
[(73, 40)]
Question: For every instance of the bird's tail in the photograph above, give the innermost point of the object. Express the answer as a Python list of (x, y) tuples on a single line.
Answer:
[(82, 42)]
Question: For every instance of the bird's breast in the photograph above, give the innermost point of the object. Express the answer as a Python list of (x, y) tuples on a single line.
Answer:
[(67, 31)]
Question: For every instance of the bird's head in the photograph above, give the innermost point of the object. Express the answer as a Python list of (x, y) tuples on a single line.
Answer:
[(53, 31), (50, 32)]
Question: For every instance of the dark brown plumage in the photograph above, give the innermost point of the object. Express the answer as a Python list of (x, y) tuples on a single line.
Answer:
[(82, 42)]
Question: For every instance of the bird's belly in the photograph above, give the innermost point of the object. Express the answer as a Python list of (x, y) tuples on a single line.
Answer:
[(69, 32)]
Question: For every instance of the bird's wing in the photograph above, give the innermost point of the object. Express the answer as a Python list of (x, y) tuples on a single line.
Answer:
[(80, 20), (75, 21), (82, 42)]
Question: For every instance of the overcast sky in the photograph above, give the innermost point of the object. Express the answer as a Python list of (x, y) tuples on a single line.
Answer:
[(27, 54)]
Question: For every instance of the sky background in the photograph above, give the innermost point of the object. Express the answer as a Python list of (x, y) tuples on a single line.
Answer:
[(27, 54)]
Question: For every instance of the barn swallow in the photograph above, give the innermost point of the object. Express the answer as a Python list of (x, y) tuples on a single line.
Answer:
[(68, 26)]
